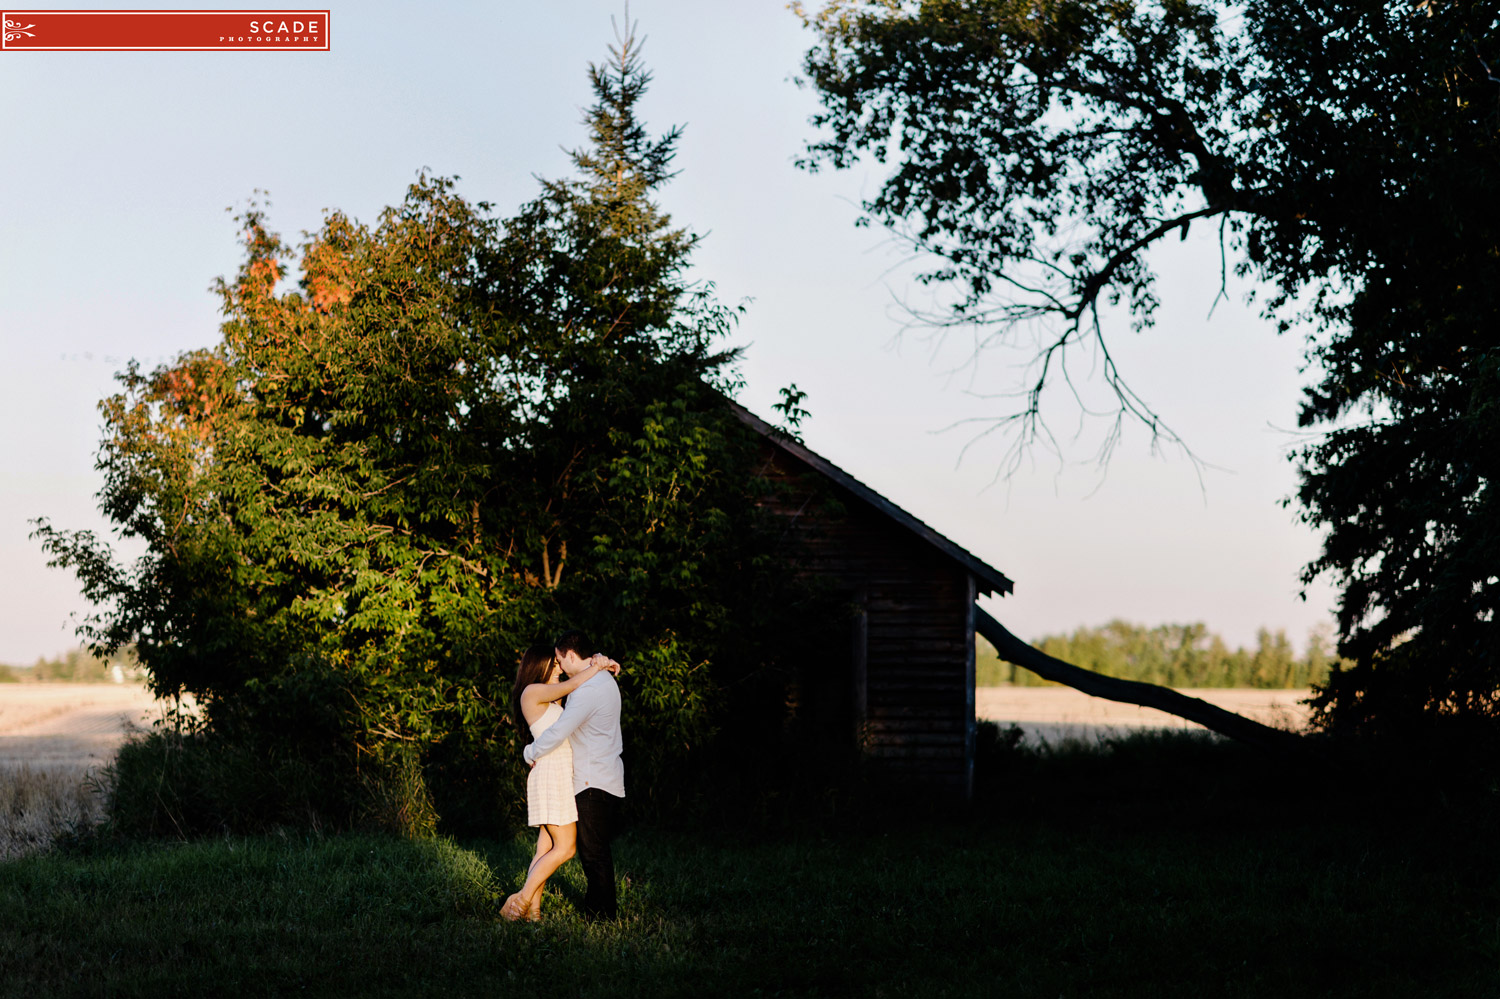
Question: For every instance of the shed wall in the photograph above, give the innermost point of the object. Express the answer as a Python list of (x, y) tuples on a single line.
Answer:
[(912, 688)]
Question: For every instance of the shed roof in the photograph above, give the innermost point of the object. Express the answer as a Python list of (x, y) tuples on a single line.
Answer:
[(990, 579)]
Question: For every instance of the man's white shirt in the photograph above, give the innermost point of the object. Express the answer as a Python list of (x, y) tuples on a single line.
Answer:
[(592, 721)]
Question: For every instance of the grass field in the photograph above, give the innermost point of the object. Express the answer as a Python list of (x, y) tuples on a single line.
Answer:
[(1090, 875), (1158, 864)]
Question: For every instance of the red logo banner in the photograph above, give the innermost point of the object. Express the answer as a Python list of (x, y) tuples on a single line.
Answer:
[(165, 30)]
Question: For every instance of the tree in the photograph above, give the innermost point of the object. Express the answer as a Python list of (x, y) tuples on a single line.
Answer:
[(455, 436), (1347, 154), (1188, 655)]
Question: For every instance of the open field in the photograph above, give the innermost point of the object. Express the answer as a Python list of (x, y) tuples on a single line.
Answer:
[(54, 739), (53, 736), (1052, 714), (79, 726), (74, 726)]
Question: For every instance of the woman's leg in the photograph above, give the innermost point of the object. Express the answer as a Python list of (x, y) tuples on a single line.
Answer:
[(564, 839), (543, 844), (516, 905)]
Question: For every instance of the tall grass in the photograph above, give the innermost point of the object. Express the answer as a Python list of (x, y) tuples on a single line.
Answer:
[(39, 804)]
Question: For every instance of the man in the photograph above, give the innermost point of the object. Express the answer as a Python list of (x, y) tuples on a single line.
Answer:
[(592, 721)]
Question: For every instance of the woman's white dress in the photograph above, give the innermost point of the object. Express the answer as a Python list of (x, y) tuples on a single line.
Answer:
[(549, 787)]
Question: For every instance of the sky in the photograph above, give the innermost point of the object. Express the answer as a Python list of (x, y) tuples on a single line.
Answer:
[(121, 173)]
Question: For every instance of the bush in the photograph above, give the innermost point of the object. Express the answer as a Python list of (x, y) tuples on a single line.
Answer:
[(184, 784)]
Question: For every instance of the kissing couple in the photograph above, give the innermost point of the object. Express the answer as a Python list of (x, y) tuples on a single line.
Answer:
[(577, 778)]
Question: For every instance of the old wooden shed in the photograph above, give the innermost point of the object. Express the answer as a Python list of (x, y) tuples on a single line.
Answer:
[(909, 675)]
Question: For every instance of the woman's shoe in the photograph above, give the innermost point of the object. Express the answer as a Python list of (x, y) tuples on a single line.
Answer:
[(514, 908)]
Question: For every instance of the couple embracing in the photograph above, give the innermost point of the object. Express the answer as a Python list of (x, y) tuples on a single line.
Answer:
[(577, 778)]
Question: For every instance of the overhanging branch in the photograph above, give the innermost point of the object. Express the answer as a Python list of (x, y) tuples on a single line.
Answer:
[(1100, 279), (1147, 695)]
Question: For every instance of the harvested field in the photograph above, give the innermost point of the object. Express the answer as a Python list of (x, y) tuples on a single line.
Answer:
[(1054, 714), (79, 726), (56, 737), (54, 740), (70, 725)]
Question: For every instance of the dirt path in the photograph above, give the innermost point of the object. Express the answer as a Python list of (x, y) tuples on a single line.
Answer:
[(1056, 713)]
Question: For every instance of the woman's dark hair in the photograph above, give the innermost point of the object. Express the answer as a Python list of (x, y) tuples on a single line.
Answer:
[(537, 664)]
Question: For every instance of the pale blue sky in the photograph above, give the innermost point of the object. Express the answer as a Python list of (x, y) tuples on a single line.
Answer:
[(116, 170)]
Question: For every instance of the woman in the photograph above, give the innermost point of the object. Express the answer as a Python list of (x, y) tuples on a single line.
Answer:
[(549, 787)]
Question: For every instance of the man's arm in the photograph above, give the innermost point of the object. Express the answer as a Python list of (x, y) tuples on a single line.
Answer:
[(582, 704)]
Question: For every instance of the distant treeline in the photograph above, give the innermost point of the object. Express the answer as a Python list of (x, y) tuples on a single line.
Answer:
[(78, 666), (1173, 655)]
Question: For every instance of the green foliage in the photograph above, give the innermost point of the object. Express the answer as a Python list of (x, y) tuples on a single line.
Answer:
[(1173, 655), (1348, 154), (457, 435), (792, 411)]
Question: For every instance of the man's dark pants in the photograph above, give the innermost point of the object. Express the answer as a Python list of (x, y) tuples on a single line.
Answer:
[(598, 819)]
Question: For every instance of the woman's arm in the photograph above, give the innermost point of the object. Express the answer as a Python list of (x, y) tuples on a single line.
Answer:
[(572, 683), (544, 693)]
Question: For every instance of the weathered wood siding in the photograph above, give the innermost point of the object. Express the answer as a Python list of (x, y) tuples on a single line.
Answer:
[(912, 683)]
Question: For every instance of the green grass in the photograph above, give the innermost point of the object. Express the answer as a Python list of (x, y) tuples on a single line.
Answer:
[(1043, 905)]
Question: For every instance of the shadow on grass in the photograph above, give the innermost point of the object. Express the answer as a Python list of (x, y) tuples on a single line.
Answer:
[(1151, 867)]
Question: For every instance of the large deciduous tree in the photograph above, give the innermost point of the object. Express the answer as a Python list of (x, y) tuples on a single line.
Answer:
[(1348, 156), (456, 435)]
